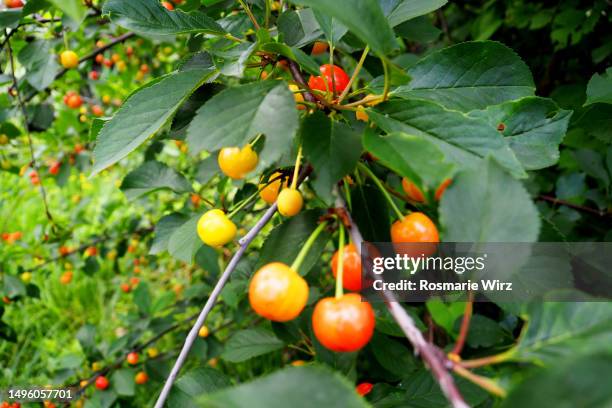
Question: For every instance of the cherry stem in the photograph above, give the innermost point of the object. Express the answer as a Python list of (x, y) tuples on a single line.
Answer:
[(382, 188), (299, 259), (465, 325), (296, 170), (243, 204), (494, 359), (250, 14), (355, 73), (483, 382), (386, 87), (340, 274)]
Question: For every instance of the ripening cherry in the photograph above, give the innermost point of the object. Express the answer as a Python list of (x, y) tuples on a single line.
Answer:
[(97, 110), (289, 202), (125, 287), (236, 162), (277, 292), (100, 58), (343, 324), (351, 268), (318, 48), (141, 378), (66, 278), (13, 3), (415, 193), (54, 168), (364, 388), (268, 191), (132, 358), (102, 383), (167, 5), (69, 59), (73, 100), (215, 228), (297, 95), (203, 332), (415, 228), (324, 82)]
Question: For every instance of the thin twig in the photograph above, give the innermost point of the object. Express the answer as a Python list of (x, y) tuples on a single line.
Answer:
[(26, 127), (250, 14), (590, 210), (354, 76), (483, 382), (432, 355), (244, 242), (299, 78)]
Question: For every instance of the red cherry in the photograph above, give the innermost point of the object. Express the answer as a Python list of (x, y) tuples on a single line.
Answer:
[(102, 383), (324, 82), (364, 388)]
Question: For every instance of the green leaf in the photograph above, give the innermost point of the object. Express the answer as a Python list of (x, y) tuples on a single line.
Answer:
[(487, 205), (333, 149), (164, 229), (484, 332), (556, 331), (232, 61), (143, 114), (285, 241), (152, 176), (445, 314), (184, 241), (13, 286), (410, 156), (9, 18), (573, 382), (469, 76), (311, 386), (236, 115), (123, 382), (298, 27), (592, 163), (150, 17), (405, 10), (73, 8), (534, 127), (393, 355), (142, 298), (370, 213), (40, 64), (599, 88), (332, 28), (246, 344), (354, 14), (462, 139), (196, 382)]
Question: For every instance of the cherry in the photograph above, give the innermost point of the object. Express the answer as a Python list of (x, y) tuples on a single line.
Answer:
[(343, 324), (278, 292), (100, 58), (237, 163), (415, 193), (132, 358), (13, 3), (269, 191), (364, 388), (107, 63), (351, 268), (102, 383), (54, 168), (141, 378), (215, 228), (324, 82), (66, 278), (144, 68), (91, 251), (167, 5), (289, 202), (97, 109), (94, 75), (418, 228), (125, 288), (69, 59), (318, 48), (203, 332), (73, 100)]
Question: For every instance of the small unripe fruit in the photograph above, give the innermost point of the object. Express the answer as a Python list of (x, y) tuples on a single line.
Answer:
[(204, 332), (13, 3), (215, 228), (69, 59), (132, 358), (290, 202), (141, 378)]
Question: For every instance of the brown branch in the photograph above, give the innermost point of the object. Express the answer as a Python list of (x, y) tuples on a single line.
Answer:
[(433, 357), (26, 127), (299, 78), (554, 200)]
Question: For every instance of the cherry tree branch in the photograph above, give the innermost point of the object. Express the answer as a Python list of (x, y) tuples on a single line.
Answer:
[(244, 242), (434, 358), (299, 78)]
